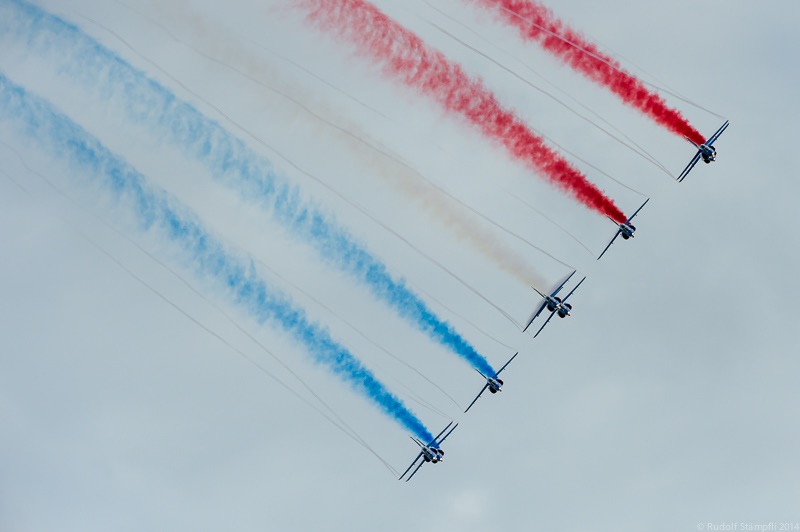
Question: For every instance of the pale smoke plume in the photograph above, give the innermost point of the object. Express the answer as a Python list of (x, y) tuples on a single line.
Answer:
[(227, 50), (83, 60)]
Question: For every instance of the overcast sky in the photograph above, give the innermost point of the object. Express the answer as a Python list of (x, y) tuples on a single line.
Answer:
[(668, 401)]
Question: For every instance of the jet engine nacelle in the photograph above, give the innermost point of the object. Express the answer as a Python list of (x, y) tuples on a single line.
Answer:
[(709, 153), (553, 304)]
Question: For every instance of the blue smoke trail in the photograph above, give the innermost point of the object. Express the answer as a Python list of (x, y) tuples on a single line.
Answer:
[(207, 255), (229, 159)]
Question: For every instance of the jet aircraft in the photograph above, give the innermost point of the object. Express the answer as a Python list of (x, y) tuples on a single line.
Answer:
[(705, 151), (554, 304), (494, 383), (430, 452), (625, 229)]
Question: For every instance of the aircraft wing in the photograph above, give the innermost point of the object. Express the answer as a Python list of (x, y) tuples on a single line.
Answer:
[(576, 287), (535, 315), (477, 397), (565, 281), (436, 439), (415, 471), (639, 209), (412, 465), (609, 244), (716, 135), (545, 323), (689, 167), (506, 364), (448, 434)]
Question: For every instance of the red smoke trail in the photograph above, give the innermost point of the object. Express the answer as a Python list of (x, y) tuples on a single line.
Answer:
[(538, 23), (405, 56)]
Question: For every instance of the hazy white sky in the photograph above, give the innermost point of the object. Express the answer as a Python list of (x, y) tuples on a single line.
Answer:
[(666, 402)]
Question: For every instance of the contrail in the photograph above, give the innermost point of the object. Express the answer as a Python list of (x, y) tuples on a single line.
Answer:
[(206, 255), (356, 205), (322, 409), (628, 142), (405, 57), (554, 222), (536, 22), (229, 160), (436, 201)]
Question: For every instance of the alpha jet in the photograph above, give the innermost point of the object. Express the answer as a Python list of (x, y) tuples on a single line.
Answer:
[(626, 229), (705, 151), (554, 304), (495, 384), (429, 453)]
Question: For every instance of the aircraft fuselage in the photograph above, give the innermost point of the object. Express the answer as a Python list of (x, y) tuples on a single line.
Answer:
[(627, 230), (495, 385), (432, 454), (709, 153), (554, 304)]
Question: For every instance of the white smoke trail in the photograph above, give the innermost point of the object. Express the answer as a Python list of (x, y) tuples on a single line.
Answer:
[(225, 50)]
